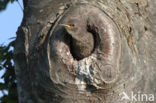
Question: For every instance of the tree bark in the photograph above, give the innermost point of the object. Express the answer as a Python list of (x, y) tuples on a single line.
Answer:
[(47, 72)]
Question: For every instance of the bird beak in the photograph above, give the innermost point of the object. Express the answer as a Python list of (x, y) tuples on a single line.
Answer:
[(67, 26)]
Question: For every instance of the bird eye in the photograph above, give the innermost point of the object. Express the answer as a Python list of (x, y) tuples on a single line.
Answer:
[(72, 25)]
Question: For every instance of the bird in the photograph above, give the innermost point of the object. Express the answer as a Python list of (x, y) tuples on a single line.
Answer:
[(82, 41)]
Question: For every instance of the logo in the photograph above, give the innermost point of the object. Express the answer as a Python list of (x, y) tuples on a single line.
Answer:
[(137, 97)]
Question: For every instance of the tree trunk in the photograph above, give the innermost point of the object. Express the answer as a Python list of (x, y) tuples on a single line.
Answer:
[(122, 63)]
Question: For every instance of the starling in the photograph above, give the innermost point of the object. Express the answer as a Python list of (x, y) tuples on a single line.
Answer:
[(82, 42)]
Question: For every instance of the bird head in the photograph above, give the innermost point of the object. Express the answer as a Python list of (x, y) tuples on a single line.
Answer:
[(71, 29)]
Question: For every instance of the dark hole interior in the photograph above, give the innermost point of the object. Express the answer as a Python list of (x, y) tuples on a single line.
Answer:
[(94, 31)]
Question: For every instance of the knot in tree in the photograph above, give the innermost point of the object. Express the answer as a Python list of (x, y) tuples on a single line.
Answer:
[(87, 41)]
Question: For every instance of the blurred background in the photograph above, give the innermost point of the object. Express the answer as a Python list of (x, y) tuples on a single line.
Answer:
[(11, 14)]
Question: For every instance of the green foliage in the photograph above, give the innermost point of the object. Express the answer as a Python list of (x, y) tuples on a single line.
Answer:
[(4, 3), (9, 84)]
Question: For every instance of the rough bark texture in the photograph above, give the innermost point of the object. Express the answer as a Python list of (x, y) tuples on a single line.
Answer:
[(45, 76)]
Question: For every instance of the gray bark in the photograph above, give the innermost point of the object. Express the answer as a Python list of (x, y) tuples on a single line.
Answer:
[(44, 77)]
